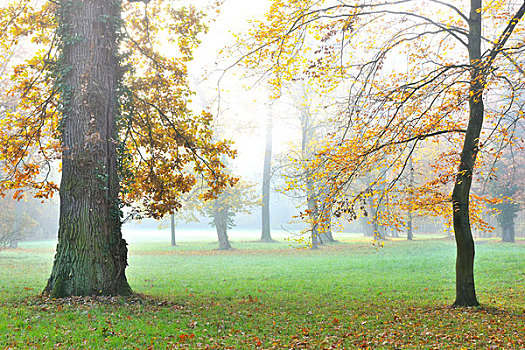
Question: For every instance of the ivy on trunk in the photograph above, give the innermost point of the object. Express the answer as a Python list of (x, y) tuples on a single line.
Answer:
[(91, 254)]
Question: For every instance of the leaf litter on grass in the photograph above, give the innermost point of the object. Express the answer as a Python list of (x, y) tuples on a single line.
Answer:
[(246, 301)]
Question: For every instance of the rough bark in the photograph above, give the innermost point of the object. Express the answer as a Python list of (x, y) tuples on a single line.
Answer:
[(172, 227), (265, 208), (91, 254)]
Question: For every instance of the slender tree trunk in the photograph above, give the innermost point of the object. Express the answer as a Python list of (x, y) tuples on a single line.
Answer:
[(465, 288), (265, 208), (410, 234), (221, 225), (313, 213), (172, 226), (91, 254)]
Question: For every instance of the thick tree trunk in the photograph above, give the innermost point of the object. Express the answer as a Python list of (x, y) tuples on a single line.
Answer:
[(172, 227), (220, 222), (465, 288), (91, 255), (265, 208)]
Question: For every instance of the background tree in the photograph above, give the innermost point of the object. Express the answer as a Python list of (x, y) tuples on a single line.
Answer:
[(301, 183), (237, 199), (266, 235), (508, 189)]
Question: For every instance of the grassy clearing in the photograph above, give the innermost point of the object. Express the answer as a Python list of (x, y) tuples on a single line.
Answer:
[(348, 295)]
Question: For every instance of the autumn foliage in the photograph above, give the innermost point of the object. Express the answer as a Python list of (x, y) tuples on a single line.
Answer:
[(400, 74), (164, 146)]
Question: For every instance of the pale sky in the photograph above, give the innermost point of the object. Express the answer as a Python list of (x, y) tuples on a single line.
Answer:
[(243, 112)]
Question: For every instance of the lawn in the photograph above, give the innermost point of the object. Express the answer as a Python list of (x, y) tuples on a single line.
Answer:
[(271, 296)]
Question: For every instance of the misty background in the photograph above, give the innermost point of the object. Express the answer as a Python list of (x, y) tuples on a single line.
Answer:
[(241, 111)]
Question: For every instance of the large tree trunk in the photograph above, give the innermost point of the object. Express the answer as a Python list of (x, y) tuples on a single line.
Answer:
[(265, 208), (91, 254), (465, 288)]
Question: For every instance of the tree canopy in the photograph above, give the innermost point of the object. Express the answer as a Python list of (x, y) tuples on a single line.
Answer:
[(407, 75), (159, 134)]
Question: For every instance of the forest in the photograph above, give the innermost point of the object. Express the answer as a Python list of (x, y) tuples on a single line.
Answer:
[(266, 174)]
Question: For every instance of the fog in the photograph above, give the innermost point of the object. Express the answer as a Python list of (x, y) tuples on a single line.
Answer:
[(241, 109)]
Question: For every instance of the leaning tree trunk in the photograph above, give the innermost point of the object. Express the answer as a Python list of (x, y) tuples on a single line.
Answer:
[(465, 288), (91, 254), (265, 208)]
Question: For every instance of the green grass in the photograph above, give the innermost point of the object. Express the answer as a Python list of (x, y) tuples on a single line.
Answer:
[(348, 295)]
